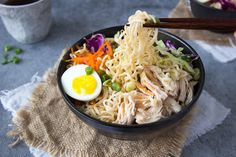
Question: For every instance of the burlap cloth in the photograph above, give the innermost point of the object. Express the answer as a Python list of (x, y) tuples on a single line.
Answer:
[(182, 10), (48, 124)]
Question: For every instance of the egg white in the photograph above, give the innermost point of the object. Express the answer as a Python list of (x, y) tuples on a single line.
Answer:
[(76, 71)]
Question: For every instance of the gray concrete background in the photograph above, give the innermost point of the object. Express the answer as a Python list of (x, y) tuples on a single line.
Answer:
[(75, 18)]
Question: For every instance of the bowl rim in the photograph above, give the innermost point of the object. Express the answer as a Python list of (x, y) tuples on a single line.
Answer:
[(21, 5), (211, 8), (164, 121)]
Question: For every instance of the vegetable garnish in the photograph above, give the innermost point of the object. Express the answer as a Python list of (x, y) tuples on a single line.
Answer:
[(5, 58), (107, 83), (170, 45), (89, 70), (130, 86), (18, 51), (116, 86), (8, 48), (172, 54), (186, 58), (92, 59), (101, 72), (105, 77), (95, 42), (14, 59)]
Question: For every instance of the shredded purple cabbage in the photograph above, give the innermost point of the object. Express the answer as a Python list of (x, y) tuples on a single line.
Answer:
[(95, 42), (169, 44), (227, 4)]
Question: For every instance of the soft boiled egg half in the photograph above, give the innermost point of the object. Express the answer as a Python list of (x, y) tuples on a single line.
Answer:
[(80, 86)]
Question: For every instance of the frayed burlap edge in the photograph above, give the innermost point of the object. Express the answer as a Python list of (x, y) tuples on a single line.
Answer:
[(19, 120)]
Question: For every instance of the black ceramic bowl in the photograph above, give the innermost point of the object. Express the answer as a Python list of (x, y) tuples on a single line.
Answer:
[(201, 10), (134, 131)]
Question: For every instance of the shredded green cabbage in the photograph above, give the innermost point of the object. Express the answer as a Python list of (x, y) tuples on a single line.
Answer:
[(170, 57)]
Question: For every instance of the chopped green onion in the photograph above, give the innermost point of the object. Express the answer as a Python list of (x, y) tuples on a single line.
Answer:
[(107, 83), (157, 20), (15, 60), (130, 86), (18, 51), (101, 72), (116, 86), (4, 61), (67, 60), (105, 77), (8, 48), (89, 70)]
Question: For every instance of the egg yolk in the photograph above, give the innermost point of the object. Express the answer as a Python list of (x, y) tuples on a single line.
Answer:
[(85, 84)]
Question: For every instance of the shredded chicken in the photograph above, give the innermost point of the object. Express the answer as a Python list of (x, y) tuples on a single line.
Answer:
[(183, 90), (126, 111), (141, 99), (169, 86), (145, 81), (190, 92), (150, 113), (144, 89), (175, 91), (150, 74), (155, 98), (172, 105)]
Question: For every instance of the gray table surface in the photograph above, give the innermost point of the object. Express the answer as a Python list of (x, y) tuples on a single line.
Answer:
[(75, 18)]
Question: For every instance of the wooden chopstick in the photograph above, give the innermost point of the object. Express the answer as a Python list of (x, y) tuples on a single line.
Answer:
[(204, 20), (195, 23)]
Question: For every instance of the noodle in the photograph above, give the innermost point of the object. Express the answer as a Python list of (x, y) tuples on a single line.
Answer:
[(135, 49), (134, 52), (158, 79)]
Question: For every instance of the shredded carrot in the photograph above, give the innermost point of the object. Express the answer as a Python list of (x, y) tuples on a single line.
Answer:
[(110, 52), (98, 63), (94, 59), (99, 53)]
